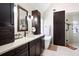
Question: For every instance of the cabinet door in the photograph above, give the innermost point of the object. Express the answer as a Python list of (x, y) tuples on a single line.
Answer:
[(7, 13), (6, 35), (38, 47), (42, 45), (6, 23), (32, 47), (22, 50), (32, 51)]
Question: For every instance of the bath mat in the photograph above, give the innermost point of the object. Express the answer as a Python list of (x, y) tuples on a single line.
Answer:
[(71, 47), (52, 47)]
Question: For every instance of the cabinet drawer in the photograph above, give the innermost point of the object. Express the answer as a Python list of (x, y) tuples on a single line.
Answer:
[(9, 53), (32, 43), (25, 46), (23, 52), (32, 51), (17, 51)]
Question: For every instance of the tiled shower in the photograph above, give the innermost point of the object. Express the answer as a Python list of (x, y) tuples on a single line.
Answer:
[(72, 28)]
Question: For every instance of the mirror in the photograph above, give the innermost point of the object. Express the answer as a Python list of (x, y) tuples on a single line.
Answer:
[(22, 19)]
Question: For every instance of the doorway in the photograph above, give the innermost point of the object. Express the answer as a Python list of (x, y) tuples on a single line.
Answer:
[(59, 28)]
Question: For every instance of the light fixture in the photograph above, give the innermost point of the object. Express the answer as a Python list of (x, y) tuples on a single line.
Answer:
[(29, 17)]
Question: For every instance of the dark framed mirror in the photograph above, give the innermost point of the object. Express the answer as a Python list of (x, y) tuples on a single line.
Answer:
[(22, 19)]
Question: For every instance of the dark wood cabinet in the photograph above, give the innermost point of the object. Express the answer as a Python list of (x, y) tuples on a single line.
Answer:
[(23, 52), (32, 51), (36, 47), (6, 23), (9, 53), (19, 51), (36, 22), (6, 12), (33, 48), (42, 45)]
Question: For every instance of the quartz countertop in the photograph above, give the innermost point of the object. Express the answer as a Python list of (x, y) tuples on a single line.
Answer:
[(7, 47)]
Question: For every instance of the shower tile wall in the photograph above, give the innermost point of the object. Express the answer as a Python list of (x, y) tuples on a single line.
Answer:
[(76, 28), (69, 33), (72, 35)]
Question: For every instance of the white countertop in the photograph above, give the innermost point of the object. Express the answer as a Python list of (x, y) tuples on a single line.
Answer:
[(18, 42)]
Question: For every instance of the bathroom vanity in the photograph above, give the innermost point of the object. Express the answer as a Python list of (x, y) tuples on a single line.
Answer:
[(32, 45), (27, 46)]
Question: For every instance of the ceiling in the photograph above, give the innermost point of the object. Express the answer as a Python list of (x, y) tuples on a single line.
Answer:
[(42, 7)]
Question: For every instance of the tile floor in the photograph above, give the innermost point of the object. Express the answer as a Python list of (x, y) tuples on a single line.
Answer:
[(61, 51)]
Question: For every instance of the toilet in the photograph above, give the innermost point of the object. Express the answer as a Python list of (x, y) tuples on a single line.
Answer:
[(47, 37)]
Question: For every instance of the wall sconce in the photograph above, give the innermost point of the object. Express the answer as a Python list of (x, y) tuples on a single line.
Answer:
[(29, 17)]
